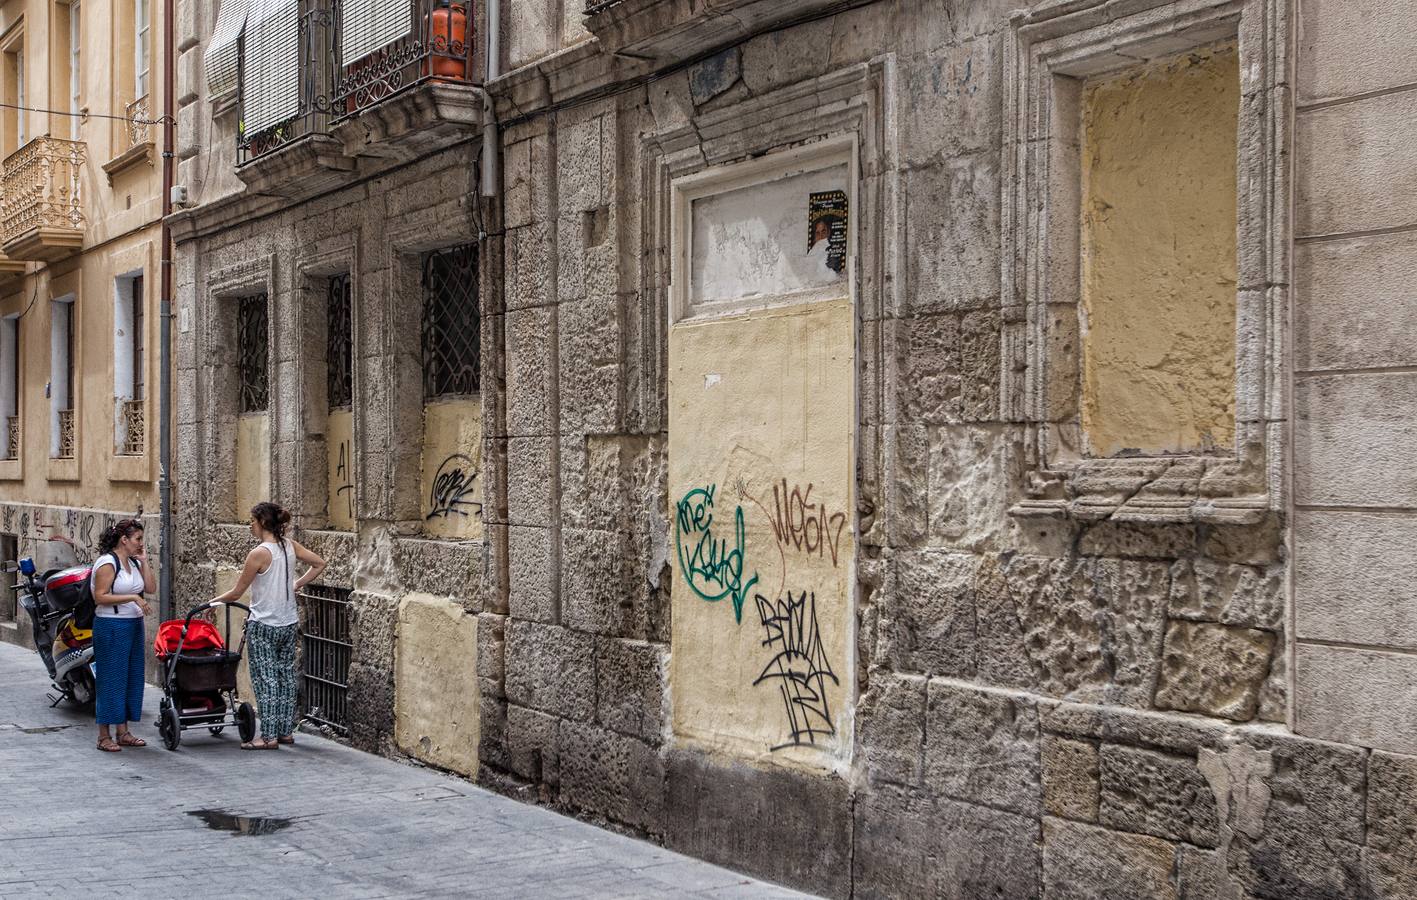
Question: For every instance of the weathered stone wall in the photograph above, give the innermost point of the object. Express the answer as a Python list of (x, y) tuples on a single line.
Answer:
[(1066, 706)]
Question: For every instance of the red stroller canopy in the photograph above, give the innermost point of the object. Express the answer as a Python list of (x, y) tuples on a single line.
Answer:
[(201, 635)]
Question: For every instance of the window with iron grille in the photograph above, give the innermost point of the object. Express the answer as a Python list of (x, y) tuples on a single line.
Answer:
[(251, 348), (339, 343), (452, 343), (325, 652)]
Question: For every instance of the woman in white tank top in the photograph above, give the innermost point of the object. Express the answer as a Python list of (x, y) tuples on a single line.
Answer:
[(271, 631)]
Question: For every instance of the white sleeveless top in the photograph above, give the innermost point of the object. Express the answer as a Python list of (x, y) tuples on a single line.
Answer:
[(125, 581), (273, 591)]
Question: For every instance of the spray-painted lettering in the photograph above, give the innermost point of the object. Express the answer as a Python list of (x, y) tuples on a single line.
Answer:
[(451, 485), (713, 567), (800, 666), (803, 525)]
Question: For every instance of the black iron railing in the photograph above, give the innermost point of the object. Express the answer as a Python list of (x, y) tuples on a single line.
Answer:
[(325, 652), (317, 77), (438, 48)]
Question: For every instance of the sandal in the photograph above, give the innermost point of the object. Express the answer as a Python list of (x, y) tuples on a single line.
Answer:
[(129, 739), (108, 745), (259, 744), (288, 739)]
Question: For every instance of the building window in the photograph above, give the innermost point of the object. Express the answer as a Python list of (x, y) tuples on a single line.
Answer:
[(141, 39), (14, 92), (129, 376), (76, 70), (452, 348), (61, 379), (339, 343), (10, 385), (326, 651), (252, 345)]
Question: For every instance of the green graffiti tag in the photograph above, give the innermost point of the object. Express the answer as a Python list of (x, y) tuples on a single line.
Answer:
[(712, 569)]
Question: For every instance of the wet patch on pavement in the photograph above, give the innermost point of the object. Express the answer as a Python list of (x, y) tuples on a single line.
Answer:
[(220, 820)]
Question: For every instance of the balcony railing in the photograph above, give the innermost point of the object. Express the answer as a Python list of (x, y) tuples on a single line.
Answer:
[(317, 72), (66, 434), (12, 437), (438, 48), (134, 428), (44, 213)]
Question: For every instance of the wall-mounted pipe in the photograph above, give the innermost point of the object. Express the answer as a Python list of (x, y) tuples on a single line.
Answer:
[(489, 110), (164, 483)]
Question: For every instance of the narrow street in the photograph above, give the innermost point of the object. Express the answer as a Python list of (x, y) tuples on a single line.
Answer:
[(320, 820)]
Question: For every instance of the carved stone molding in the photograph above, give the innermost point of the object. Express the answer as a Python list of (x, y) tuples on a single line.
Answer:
[(1053, 47)]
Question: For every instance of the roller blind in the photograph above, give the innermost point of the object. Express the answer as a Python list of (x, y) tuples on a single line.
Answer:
[(223, 52), (370, 25), (270, 89)]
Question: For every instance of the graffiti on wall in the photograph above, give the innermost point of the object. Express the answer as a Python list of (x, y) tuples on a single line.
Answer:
[(343, 474), (452, 485), (711, 566), (804, 526), (800, 668)]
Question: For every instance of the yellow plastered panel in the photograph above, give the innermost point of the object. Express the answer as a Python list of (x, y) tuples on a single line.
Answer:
[(452, 468), (761, 413), (1158, 266), (436, 715), (339, 441), (253, 463)]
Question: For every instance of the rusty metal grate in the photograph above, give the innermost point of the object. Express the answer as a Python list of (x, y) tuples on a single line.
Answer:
[(452, 339), (135, 439), (66, 434), (252, 333), (339, 343), (325, 651)]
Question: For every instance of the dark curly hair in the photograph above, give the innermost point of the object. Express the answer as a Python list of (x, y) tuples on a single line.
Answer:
[(117, 532), (272, 517)]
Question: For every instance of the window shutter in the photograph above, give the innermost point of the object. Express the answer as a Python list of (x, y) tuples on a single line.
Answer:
[(270, 89), (223, 60), (370, 25)]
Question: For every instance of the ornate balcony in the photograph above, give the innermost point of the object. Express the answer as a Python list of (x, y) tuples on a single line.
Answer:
[(43, 213), (134, 428), (66, 434), (12, 437), (136, 139)]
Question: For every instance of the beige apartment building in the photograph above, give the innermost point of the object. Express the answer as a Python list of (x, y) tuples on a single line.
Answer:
[(81, 182)]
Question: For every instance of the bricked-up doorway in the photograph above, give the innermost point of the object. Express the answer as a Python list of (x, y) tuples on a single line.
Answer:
[(9, 594)]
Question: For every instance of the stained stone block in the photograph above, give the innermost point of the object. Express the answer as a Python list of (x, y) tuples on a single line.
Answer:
[(1354, 439), (891, 723), (942, 88), (979, 365), (1203, 590), (630, 688), (952, 234), (1365, 697), (1158, 794), (929, 382), (611, 775), (1214, 670), (533, 744), (982, 747), (529, 573), (1083, 862), (528, 386), (927, 622), (1354, 47), (551, 669), (912, 844), (970, 487), (1357, 311), (1353, 577), (1070, 779), (1392, 824), (529, 482), (907, 465)]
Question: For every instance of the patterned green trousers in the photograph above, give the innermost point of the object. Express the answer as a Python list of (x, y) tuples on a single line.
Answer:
[(273, 676)]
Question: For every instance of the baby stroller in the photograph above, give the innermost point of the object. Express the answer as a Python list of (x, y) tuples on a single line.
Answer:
[(199, 678)]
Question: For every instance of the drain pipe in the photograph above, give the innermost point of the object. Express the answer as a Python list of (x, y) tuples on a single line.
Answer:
[(489, 110), (165, 322)]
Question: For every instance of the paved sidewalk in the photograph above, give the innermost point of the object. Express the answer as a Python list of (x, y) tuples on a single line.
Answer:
[(75, 822)]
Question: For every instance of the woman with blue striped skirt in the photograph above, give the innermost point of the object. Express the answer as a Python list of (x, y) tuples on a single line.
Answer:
[(120, 578)]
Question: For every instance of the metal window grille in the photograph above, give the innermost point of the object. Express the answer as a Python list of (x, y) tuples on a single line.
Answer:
[(326, 650), (339, 343), (452, 341), (9, 593), (251, 347)]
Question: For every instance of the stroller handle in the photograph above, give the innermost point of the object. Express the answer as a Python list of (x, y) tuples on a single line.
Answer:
[(204, 607), (213, 605)]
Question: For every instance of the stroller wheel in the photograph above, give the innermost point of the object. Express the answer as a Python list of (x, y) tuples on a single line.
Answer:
[(245, 722), (170, 728), (216, 730)]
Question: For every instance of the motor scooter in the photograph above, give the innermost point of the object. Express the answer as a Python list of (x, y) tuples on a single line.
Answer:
[(60, 606)]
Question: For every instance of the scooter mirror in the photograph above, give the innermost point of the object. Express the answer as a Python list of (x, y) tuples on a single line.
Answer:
[(27, 566)]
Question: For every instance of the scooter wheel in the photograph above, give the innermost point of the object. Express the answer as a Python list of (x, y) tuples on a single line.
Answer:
[(245, 722), (170, 729), (82, 689)]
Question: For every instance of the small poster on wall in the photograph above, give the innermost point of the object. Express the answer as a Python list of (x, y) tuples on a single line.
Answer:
[(826, 232)]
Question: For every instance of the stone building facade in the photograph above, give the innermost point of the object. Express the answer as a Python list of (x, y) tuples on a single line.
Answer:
[(80, 270), (918, 448)]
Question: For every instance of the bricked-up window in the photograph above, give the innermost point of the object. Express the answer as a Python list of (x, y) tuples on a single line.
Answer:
[(10, 386), (252, 352), (452, 349), (339, 346)]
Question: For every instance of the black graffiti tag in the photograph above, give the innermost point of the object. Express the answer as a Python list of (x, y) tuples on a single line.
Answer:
[(800, 667), (451, 485)]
